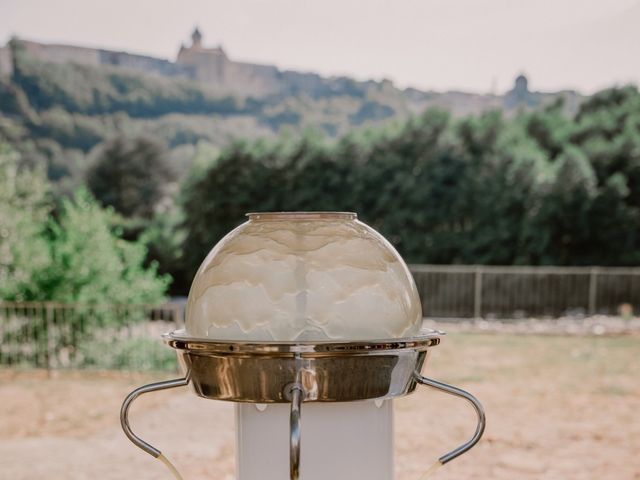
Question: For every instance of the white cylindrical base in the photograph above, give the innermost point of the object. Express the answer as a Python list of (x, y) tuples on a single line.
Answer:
[(340, 441)]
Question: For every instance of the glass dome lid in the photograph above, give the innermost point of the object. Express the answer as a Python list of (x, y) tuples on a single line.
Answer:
[(303, 276)]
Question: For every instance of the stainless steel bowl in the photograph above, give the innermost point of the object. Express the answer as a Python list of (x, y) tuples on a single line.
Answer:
[(326, 371)]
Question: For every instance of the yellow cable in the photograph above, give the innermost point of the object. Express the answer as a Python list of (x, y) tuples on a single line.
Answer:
[(170, 466), (431, 470)]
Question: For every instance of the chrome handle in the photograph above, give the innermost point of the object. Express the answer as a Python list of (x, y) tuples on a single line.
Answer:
[(295, 394), (458, 392), (124, 411)]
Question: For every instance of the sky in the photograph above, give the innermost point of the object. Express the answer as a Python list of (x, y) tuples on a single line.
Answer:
[(470, 45)]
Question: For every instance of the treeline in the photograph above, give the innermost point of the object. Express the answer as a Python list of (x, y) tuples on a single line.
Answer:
[(90, 91), (58, 114), (542, 188), (67, 249)]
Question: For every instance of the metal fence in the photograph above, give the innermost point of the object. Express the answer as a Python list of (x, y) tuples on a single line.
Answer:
[(53, 335), (456, 291)]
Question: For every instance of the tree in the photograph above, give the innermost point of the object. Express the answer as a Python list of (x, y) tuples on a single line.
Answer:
[(133, 176), (550, 128), (244, 178), (24, 207), (615, 221), (91, 263), (535, 189), (77, 257), (563, 221)]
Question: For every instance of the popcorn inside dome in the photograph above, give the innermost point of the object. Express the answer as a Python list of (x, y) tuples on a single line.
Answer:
[(303, 276)]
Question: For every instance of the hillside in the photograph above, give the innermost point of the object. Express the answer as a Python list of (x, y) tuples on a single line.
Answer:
[(538, 180), (58, 103)]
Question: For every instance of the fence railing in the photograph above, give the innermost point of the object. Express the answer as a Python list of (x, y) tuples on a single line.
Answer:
[(461, 291), (55, 335)]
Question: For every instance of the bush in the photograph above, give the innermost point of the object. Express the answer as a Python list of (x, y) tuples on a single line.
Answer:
[(92, 264), (140, 354), (24, 209)]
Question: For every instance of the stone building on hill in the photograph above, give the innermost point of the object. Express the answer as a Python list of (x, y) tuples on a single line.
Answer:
[(212, 66), (520, 95), (6, 64), (196, 62), (91, 56), (205, 64)]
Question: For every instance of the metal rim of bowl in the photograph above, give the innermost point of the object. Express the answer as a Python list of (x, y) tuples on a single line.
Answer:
[(180, 341), (291, 216)]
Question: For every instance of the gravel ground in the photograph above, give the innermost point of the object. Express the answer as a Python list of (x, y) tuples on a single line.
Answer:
[(558, 408), (577, 325)]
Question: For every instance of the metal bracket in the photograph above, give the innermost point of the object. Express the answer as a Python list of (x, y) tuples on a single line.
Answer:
[(295, 394), (124, 411), (458, 392)]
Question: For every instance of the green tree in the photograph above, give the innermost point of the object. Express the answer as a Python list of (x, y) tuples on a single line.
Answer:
[(133, 176), (550, 128), (615, 222), (164, 238), (537, 189), (91, 263), (24, 207), (563, 221)]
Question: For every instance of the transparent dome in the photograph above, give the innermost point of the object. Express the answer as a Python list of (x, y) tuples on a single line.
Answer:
[(303, 276)]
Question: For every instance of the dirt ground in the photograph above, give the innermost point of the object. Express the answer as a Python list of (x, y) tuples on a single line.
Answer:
[(558, 408)]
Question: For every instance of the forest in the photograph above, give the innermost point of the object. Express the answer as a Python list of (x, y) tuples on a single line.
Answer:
[(541, 187)]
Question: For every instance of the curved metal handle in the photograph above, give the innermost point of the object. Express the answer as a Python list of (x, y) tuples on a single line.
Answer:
[(295, 394), (124, 411), (458, 392)]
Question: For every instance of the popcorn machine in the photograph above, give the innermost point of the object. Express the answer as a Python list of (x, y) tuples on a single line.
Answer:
[(311, 323)]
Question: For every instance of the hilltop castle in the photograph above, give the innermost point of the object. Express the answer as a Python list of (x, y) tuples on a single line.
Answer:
[(195, 62), (212, 67)]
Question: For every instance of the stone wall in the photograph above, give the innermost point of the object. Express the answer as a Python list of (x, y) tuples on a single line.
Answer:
[(62, 53), (206, 65), (252, 79), (145, 63), (212, 67), (6, 65)]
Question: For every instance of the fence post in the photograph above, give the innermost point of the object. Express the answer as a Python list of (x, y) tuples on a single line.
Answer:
[(477, 292), (49, 333), (593, 289), (177, 316)]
